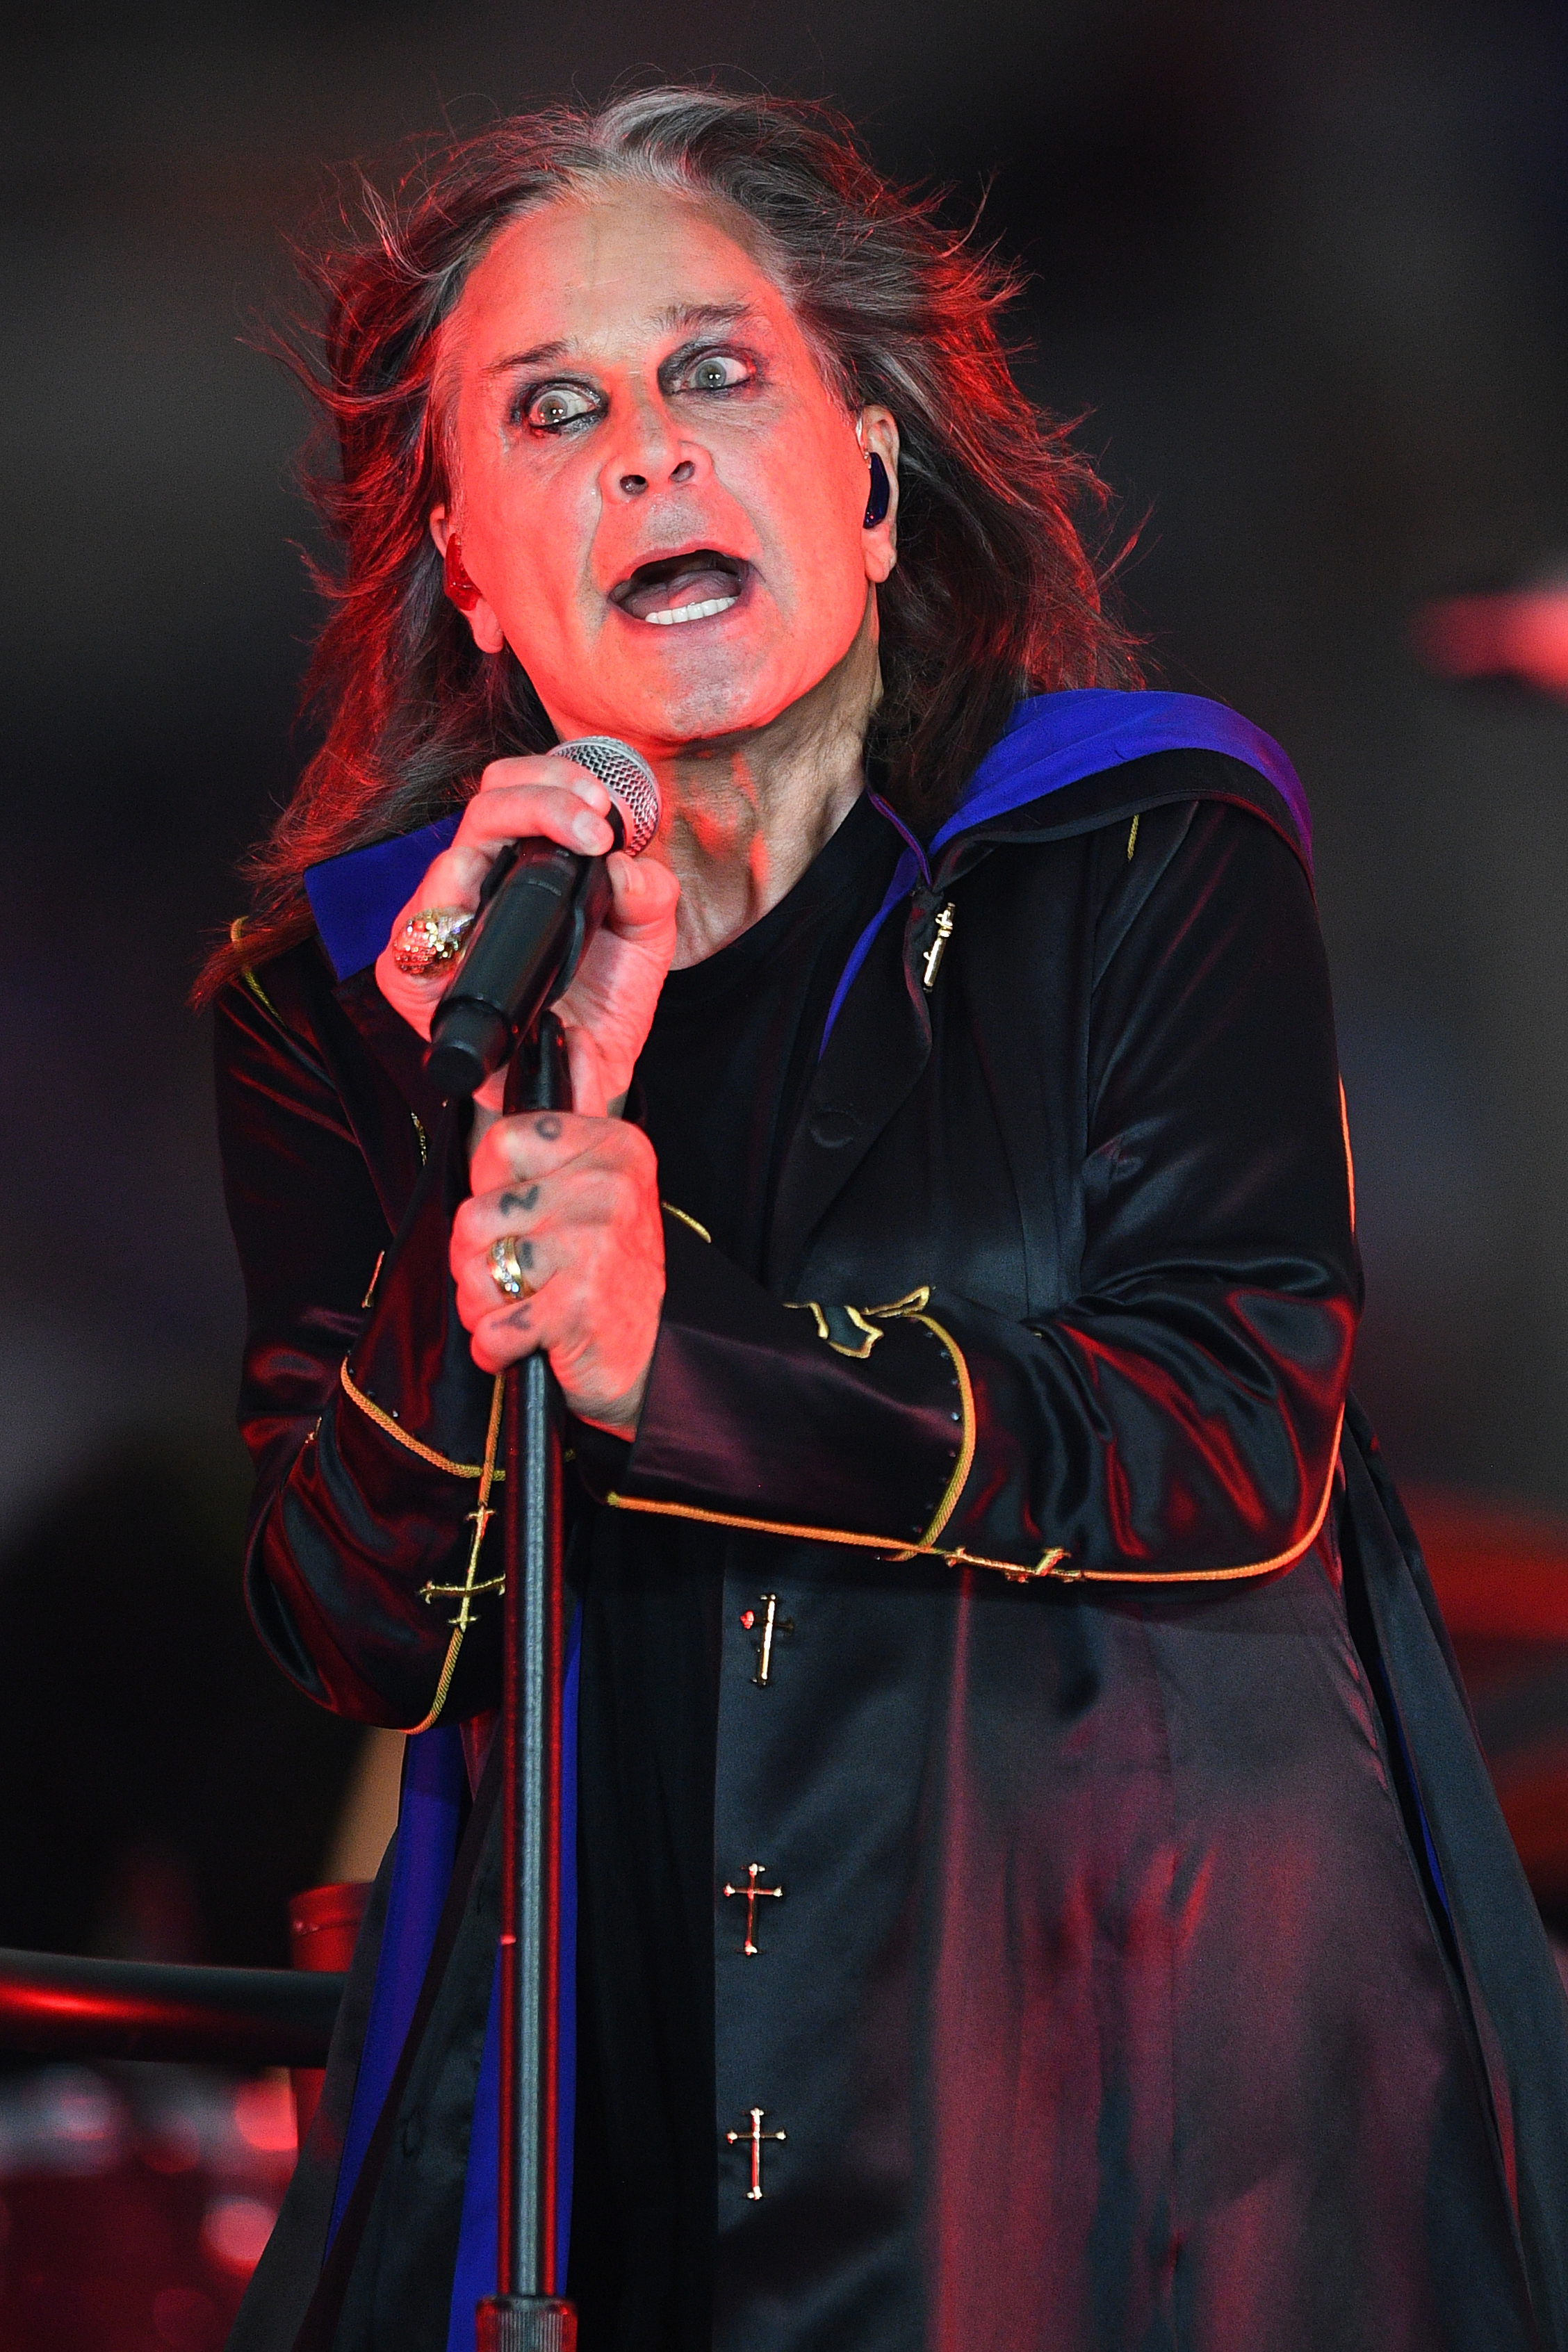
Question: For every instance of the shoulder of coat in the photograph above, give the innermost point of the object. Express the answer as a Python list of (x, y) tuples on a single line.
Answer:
[(287, 984)]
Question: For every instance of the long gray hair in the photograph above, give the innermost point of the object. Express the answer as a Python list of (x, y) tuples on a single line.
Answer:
[(994, 595)]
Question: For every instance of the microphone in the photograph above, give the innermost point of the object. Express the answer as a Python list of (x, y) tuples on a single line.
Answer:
[(540, 907)]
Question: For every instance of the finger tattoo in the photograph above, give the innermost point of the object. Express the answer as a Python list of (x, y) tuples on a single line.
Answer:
[(517, 1205), (548, 1126)]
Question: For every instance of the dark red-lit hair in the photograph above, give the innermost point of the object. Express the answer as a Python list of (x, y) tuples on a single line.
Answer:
[(994, 595)]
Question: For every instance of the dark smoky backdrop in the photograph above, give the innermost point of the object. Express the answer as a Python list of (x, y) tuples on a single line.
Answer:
[(1301, 272)]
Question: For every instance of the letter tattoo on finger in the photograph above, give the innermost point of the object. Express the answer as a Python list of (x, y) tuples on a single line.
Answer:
[(548, 1128), (517, 1205)]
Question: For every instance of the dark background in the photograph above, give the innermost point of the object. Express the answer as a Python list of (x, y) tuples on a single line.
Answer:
[(1303, 269)]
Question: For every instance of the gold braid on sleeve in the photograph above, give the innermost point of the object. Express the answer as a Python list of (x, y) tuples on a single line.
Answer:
[(468, 1591)]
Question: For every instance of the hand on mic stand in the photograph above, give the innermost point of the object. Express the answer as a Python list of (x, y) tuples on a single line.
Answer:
[(541, 909)]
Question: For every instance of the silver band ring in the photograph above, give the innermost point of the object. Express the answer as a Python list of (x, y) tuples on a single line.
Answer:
[(431, 940), (506, 1273)]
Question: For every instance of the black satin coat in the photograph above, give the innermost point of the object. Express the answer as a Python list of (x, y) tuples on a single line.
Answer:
[(1115, 1998)]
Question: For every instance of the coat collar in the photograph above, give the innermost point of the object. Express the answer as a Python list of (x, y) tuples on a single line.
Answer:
[(1065, 763), (354, 897), (1053, 741)]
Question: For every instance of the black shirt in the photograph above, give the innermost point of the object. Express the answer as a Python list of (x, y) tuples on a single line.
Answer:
[(735, 1038), (718, 1087)]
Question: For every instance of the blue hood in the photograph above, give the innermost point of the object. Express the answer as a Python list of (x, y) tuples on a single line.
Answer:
[(1056, 739), (1051, 741)]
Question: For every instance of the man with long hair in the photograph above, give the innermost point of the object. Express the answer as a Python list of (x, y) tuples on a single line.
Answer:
[(1035, 1882)]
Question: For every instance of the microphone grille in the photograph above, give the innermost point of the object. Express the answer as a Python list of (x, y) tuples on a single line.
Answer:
[(626, 776)]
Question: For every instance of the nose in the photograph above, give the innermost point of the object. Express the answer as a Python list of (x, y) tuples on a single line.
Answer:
[(647, 452), (632, 485)]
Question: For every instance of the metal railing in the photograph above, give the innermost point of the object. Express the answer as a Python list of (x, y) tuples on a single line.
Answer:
[(56, 2006)]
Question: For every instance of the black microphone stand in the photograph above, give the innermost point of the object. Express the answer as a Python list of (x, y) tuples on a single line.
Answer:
[(527, 2312)]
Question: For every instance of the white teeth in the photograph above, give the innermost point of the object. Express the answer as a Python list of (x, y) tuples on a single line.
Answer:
[(702, 611)]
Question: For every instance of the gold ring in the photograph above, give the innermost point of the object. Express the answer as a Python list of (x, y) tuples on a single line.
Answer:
[(431, 940), (505, 1271)]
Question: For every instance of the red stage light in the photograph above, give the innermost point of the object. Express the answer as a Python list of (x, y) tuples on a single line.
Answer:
[(264, 2116), (235, 2230), (1523, 633)]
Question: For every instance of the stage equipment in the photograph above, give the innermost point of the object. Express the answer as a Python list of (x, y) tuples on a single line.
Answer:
[(535, 924), (323, 1928), (455, 578), (540, 907), (1518, 634), (54, 2005), (879, 501)]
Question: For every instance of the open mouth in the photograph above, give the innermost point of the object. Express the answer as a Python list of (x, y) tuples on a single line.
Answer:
[(680, 588)]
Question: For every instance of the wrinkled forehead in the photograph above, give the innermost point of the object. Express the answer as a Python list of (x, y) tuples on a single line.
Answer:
[(604, 273)]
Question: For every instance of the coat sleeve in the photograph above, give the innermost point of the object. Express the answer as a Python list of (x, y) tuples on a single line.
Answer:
[(360, 1406), (1179, 1416)]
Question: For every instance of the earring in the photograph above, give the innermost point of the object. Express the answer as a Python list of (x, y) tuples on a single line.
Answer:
[(455, 580), (876, 505)]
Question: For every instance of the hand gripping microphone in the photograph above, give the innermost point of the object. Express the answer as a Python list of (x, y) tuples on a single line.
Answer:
[(539, 908)]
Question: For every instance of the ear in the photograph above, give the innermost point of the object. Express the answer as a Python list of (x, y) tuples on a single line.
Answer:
[(877, 434), (483, 619)]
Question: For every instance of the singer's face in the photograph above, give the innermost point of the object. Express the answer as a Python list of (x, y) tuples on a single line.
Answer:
[(657, 497)]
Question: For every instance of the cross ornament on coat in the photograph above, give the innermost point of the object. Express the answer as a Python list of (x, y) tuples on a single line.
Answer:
[(753, 2140), (753, 1893), (470, 1590), (774, 1629)]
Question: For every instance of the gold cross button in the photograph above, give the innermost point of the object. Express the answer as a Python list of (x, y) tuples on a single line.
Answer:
[(753, 2140), (774, 1629), (752, 1892)]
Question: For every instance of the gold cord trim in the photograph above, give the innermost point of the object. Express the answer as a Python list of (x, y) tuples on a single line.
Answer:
[(896, 1547), (235, 933), (368, 1406), (471, 1586), (1051, 1564), (911, 1303), (420, 1138), (870, 1331), (1133, 838), (701, 1232), (1350, 1156), (907, 1307), (965, 1462), (868, 1340)]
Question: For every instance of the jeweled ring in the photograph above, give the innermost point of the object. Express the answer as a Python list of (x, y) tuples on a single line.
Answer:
[(430, 941), (505, 1271)]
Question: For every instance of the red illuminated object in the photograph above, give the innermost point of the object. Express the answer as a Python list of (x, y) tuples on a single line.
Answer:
[(1523, 633), (1502, 1578), (55, 2005), (323, 1927)]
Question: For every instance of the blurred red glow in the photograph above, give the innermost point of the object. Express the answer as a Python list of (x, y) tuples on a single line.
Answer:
[(264, 2116), (235, 2230), (176, 2148), (187, 2320), (1522, 635), (1500, 1570)]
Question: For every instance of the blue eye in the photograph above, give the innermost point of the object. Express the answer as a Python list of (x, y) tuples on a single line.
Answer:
[(718, 372), (558, 406)]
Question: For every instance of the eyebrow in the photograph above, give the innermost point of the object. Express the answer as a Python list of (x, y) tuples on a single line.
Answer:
[(687, 317), (692, 316)]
